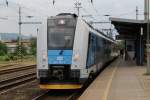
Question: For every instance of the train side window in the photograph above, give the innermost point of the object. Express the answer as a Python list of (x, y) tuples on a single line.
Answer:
[(99, 49), (91, 50)]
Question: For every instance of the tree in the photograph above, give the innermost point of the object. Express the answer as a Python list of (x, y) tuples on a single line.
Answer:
[(3, 49), (33, 46), (20, 49)]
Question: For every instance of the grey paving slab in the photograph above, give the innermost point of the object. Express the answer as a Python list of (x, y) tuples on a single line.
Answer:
[(120, 81)]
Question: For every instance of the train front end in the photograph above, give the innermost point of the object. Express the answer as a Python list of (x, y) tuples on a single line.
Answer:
[(60, 40)]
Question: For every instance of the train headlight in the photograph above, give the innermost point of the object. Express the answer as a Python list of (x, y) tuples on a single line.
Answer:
[(61, 22), (44, 57), (76, 57)]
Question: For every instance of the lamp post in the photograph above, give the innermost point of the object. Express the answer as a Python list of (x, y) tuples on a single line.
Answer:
[(20, 38), (78, 7)]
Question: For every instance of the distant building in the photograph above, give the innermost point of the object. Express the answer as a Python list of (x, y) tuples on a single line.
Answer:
[(11, 45), (10, 39)]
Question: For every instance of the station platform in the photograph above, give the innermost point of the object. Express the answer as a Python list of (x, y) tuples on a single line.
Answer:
[(122, 80)]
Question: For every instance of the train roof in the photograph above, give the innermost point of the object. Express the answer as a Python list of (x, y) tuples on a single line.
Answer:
[(62, 15), (109, 38), (72, 15), (67, 14)]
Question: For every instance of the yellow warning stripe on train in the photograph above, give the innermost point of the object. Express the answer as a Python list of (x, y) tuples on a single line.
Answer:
[(60, 86)]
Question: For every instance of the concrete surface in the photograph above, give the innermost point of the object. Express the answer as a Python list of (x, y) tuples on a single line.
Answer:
[(120, 81)]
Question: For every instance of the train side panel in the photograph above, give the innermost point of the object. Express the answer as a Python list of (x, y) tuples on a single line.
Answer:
[(80, 49), (42, 59)]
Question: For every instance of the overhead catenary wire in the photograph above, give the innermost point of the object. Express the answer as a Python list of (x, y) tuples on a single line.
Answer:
[(125, 14), (93, 6), (89, 14), (94, 9), (25, 13), (25, 9), (116, 15)]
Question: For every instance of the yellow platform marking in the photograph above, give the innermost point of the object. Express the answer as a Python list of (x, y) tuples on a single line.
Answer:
[(60, 86), (106, 92)]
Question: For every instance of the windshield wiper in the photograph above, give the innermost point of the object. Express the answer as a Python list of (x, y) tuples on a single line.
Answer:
[(61, 52)]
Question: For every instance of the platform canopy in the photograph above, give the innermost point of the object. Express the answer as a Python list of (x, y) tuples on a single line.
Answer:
[(129, 29)]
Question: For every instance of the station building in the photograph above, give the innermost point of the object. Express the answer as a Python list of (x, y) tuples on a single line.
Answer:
[(134, 33)]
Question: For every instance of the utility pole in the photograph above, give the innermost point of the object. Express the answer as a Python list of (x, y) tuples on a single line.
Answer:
[(137, 12), (146, 9), (6, 3), (146, 13), (20, 35), (20, 38), (78, 6)]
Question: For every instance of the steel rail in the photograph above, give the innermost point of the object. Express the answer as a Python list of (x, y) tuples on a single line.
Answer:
[(8, 84), (6, 71), (49, 95)]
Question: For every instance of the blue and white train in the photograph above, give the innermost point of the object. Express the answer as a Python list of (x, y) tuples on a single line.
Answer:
[(69, 51)]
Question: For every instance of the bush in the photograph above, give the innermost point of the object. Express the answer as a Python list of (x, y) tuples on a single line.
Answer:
[(33, 46), (23, 50), (8, 57), (3, 49)]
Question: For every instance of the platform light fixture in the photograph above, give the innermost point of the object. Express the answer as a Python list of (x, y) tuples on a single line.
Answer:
[(141, 31)]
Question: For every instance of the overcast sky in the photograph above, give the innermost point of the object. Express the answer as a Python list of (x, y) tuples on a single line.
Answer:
[(44, 8)]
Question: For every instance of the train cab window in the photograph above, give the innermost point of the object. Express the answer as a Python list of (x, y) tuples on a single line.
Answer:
[(60, 36)]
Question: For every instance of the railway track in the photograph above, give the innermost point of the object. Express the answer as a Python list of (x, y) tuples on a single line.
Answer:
[(67, 95), (56, 95), (3, 66), (10, 70), (11, 82)]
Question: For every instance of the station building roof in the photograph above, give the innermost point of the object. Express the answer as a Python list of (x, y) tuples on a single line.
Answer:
[(129, 29)]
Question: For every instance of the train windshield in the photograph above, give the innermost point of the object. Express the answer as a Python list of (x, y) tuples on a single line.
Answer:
[(61, 33)]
